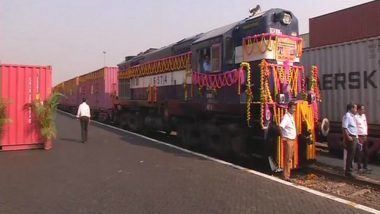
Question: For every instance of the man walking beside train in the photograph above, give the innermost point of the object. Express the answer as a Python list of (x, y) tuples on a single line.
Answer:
[(289, 134), (350, 136), (84, 116), (362, 147)]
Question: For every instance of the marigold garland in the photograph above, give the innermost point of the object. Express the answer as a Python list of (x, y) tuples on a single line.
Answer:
[(258, 44), (315, 83), (266, 42), (185, 87), (217, 81), (248, 91), (152, 94), (280, 76), (173, 63)]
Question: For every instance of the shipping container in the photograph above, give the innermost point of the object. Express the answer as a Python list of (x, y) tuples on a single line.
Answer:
[(100, 88), (350, 24), (348, 72), (306, 40), (70, 89), (20, 86)]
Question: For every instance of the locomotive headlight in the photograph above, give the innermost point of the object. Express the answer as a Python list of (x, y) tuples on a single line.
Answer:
[(286, 18)]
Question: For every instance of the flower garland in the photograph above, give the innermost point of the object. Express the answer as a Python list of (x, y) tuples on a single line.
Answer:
[(315, 83), (264, 80), (152, 94), (265, 96), (288, 74), (258, 43), (173, 63), (306, 113), (217, 81), (303, 83), (293, 78), (185, 89), (248, 90)]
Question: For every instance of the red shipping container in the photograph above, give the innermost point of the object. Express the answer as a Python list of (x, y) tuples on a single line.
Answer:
[(19, 86), (346, 25)]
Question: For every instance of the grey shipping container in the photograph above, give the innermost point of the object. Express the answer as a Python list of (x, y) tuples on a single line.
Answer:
[(348, 72)]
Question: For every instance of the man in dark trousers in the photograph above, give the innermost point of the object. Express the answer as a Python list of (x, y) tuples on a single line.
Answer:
[(362, 147), (350, 136), (84, 116)]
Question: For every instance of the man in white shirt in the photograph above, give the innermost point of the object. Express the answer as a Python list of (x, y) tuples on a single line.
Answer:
[(84, 116), (362, 147), (289, 135), (350, 136)]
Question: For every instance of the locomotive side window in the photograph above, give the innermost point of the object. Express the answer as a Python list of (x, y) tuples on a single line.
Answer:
[(215, 58), (204, 62), (209, 59), (228, 51), (124, 89)]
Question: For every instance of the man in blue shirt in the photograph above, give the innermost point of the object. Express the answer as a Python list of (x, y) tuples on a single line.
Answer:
[(350, 136), (206, 64)]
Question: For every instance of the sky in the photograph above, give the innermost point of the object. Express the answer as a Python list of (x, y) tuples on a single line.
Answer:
[(79, 36)]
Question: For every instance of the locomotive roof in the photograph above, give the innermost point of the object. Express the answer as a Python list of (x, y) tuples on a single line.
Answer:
[(222, 30), (200, 37), (217, 32)]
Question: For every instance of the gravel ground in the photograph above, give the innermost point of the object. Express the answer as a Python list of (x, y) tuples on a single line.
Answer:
[(364, 195)]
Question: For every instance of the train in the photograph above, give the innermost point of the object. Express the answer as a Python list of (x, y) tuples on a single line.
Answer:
[(224, 90)]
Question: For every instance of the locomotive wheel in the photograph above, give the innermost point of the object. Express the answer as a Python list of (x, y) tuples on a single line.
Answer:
[(123, 121), (236, 138), (190, 134), (133, 122), (215, 139), (103, 117)]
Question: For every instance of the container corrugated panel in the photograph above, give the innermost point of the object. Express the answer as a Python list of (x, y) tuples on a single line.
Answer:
[(306, 40), (349, 72), (70, 90), (20, 85), (98, 87), (350, 24)]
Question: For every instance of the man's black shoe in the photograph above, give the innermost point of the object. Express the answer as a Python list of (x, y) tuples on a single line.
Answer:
[(348, 174)]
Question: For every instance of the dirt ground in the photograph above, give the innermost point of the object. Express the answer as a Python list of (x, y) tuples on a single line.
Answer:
[(364, 195)]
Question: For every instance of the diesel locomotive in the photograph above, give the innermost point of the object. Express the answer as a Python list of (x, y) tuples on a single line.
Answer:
[(225, 90)]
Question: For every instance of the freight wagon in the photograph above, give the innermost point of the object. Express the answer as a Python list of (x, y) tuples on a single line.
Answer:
[(69, 89), (349, 72), (225, 90), (99, 87)]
